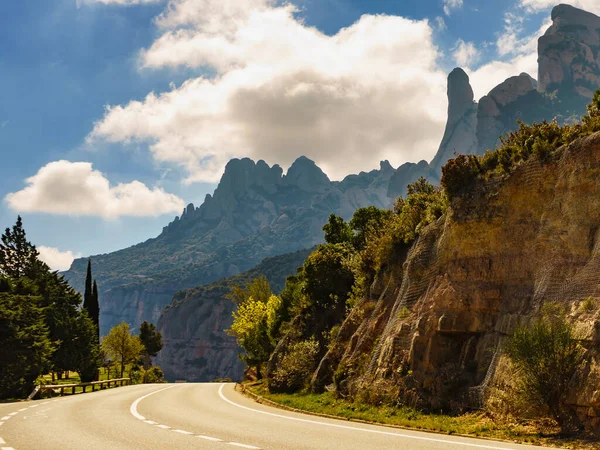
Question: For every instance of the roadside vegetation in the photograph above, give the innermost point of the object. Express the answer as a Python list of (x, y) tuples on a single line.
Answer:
[(285, 336)]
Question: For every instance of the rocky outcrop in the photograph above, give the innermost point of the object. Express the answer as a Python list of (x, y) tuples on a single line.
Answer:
[(569, 53), (196, 346), (460, 136), (505, 249), (255, 212)]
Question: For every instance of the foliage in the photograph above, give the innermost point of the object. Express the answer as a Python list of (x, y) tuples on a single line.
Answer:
[(90, 297), (538, 141), (250, 327), (258, 289), (152, 342), (337, 231), (294, 370), (365, 222), (547, 357), (26, 347), (154, 375), (121, 346), (18, 257)]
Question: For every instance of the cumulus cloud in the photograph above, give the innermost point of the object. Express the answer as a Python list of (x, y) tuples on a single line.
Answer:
[(56, 259), (68, 188), (541, 5), (450, 5), (282, 89), (465, 53)]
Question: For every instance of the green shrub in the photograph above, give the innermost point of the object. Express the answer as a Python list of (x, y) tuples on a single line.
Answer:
[(547, 356), (294, 370), (154, 375)]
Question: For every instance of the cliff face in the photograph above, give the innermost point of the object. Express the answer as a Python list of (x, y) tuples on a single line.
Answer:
[(503, 250), (196, 347), (255, 212)]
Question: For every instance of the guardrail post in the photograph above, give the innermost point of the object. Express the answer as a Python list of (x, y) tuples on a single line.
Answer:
[(62, 391)]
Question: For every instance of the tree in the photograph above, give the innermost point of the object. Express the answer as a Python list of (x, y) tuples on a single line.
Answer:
[(152, 342), (121, 346), (251, 323), (337, 230), (26, 348), (90, 297), (365, 221), (547, 357), (18, 257), (259, 289)]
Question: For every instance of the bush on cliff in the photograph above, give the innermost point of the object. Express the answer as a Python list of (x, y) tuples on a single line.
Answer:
[(547, 356)]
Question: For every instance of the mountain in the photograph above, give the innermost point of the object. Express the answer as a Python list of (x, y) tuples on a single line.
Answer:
[(255, 212), (196, 347), (569, 74)]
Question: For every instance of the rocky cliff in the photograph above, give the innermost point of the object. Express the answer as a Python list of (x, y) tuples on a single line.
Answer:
[(255, 212), (506, 247), (196, 347)]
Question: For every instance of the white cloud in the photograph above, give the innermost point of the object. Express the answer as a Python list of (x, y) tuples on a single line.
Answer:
[(541, 5), (282, 89), (440, 23), (56, 259), (68, 188), (449, 5), (465, 53)]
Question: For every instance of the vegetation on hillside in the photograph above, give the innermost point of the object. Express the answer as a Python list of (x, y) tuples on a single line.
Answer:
[(42, 325)]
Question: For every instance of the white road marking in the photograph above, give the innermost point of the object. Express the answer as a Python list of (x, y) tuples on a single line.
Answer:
[(35, 406), (24, 409), (2, 441), (7, 448), (5, 418), (150, 422), (208, 438), (13, 414), (133, 408), (237, 444), (164, 427), (365, 430), (181, 432)]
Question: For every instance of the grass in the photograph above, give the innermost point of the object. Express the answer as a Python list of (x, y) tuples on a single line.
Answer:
[(73, 378), (476, 424)]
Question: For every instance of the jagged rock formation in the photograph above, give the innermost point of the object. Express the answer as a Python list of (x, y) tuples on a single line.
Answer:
[(255, 212), (460, 135), (569, 54), (196, 347), (504, 249), (569, 74)]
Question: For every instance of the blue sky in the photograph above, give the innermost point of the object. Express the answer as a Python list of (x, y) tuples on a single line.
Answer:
[(109, 178)]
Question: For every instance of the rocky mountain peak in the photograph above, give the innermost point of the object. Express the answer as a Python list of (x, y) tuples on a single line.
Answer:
[(306, 175), (569, 52), (460, 94)]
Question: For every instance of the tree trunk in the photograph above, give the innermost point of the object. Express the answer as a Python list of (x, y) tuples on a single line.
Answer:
[(122, 368), (147, 361), (258, 374)]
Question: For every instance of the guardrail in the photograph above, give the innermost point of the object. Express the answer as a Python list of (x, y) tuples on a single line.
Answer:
[(62, 388)]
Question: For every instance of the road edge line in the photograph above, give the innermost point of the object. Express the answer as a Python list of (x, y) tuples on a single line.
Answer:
[(133, 408)]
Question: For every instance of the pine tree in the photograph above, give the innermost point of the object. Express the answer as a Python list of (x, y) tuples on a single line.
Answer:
[(18, 257)]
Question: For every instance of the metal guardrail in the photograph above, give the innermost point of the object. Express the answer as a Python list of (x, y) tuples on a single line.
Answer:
[(62, 388)]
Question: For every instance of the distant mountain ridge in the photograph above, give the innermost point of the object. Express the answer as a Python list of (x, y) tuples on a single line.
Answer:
[(255, 212)]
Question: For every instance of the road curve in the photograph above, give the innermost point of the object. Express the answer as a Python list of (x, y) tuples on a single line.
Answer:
[(197, 416)]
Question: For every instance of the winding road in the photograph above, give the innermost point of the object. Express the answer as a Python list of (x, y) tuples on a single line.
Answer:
[(196, 416)]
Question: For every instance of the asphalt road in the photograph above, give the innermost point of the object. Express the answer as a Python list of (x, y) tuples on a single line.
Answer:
[(196, 416)]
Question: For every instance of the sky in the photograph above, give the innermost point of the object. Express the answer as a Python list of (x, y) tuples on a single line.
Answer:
[(115, 114)]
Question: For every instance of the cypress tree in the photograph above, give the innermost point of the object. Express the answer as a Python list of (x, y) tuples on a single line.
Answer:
[(90, 297)]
